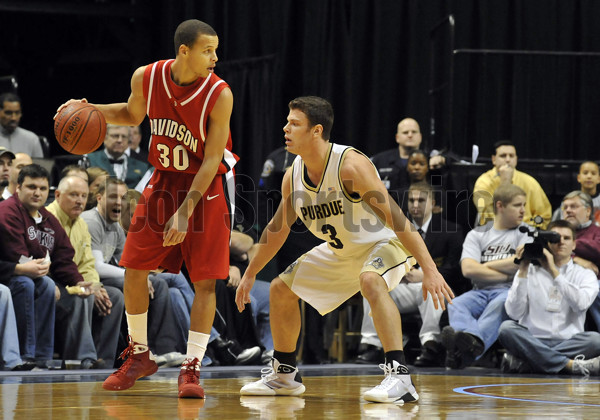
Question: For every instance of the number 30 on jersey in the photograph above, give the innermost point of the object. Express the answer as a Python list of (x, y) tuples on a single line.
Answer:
[(173, 158)]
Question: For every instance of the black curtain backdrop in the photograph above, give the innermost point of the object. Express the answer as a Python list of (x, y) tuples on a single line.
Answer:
[(371, 59)]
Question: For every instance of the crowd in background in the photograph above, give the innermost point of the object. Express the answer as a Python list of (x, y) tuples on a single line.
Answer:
[(522, 298)]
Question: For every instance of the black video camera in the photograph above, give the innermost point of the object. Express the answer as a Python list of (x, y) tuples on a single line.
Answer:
[(534, 251)]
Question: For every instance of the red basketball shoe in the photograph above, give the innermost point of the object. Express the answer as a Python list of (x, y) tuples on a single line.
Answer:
[(137, 365), (189, 379)]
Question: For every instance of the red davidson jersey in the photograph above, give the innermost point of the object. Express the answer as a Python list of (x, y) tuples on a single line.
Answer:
[(179, 119)]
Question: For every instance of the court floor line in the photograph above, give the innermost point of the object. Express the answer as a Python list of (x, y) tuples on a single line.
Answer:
[(467, 391)]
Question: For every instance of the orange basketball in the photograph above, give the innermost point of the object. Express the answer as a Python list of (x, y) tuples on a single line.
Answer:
[(80, 128)]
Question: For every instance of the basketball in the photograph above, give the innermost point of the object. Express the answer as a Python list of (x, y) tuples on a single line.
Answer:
[(80, 128)]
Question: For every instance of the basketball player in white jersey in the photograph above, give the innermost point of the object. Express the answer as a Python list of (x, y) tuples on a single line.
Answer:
[(370, 245)]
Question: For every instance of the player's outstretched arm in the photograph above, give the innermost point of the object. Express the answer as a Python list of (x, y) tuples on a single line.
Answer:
[(360, 176), (271, 240), (130, 113)]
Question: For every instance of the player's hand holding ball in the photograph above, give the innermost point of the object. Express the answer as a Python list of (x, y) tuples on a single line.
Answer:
[(79, 127)]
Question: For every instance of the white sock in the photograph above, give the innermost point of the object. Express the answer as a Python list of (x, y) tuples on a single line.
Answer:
[(137, 326), (196, 346)]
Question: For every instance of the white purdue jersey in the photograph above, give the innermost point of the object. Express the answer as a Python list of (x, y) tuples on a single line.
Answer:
[(346, 223)]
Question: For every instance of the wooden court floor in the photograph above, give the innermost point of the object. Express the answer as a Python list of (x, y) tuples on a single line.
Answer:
[(332, 392)]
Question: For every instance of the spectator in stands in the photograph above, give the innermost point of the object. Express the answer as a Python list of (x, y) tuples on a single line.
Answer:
[(547, 304), (75, 170), (20, 160), (10, 356), (577, 208), (250, 328), (6, 159), (114, 159), (444, 242), (108, 240), (391, 164), (135, 150), (588, 179), (29, 231), (504, 160), (488, 261), (96, 177), (104, 316), (12, 136)]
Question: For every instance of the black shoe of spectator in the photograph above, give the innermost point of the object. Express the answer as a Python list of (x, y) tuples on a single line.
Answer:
[(371, 355), (511, 364), (25, 366), (211, 355), (432, 355), (453, 356), (266, 357), (221, 349), (92, 364), (469, 346), (249, 356)]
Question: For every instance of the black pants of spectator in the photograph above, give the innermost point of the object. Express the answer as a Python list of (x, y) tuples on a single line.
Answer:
[(239, 326)]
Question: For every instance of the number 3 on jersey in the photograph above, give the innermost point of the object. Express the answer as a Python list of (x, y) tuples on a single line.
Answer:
[(335, 242), (176, 158)]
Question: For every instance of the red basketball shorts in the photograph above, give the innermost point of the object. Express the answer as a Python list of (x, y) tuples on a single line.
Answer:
[(205, 248)]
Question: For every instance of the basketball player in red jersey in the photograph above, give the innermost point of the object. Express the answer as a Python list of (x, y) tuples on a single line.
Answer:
[(185, 211)]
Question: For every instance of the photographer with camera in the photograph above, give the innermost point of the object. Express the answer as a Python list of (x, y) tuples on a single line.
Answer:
[(547, 304), (488, 261)]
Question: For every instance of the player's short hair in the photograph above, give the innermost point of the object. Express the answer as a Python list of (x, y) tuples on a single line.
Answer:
[(506, 194), (501, 143), (8, 97), (188, 32), (111, 180), (32, 171), (562, 224), (317, 111)]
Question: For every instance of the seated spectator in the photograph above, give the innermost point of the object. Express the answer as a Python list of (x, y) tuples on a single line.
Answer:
[(29, 231), (577, 209), (444, 241), (96, 177), (12, 136), (75, 170), (588, 179), (108, 240), (391, 164), (104, 316), (10, 356), (249, 328), (135, 150), (488, 261), (20, 160), (6, 158), (547, 304), (504, 160), (114, 160)]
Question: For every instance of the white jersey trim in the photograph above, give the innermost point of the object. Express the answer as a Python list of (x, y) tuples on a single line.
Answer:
[(202, 115)]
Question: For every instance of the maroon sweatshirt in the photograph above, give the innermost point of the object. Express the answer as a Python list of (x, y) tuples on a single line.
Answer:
[(21, 235)]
